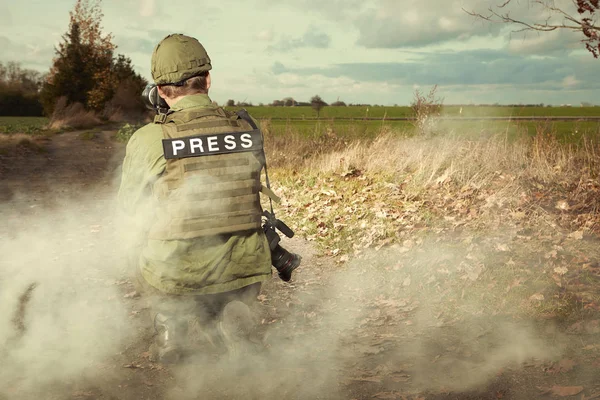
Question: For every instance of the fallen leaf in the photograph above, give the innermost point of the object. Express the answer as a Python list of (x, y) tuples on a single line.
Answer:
[(374, 379), (81, 393), (564, 365), (132, 366), (502, 247), (561, 270), (385, 395), (578, 235), (537, 297), (564, 391)]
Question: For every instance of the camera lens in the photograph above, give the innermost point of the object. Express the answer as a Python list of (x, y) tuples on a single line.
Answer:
[(284, 262)]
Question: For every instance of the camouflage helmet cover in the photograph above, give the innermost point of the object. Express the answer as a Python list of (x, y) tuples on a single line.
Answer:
[(178, 57)]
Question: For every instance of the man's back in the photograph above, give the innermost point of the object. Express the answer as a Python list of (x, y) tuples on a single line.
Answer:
[(202, 265)]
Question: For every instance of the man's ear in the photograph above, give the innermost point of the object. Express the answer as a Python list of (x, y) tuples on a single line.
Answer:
[(208, 81), (161, 93)]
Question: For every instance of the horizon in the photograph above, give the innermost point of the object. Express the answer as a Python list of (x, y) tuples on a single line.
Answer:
[(375, 52)]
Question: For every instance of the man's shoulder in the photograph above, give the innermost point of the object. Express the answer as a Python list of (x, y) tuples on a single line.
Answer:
[(147, 135)]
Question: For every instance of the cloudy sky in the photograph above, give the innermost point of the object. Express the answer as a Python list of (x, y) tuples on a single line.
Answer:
[(368, 51)]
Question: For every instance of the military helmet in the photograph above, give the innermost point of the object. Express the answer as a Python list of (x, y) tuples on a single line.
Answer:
[(178, 57)]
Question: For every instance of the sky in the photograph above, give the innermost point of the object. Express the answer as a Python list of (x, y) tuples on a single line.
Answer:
[(357, 51)]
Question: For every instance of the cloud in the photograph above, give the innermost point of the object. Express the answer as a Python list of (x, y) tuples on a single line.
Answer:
[(545, 43), (336, 10), (265, 35), (570, 81), (29, 53), (479, 67), (132, 44), (147, 8), (312, 38), (413, 23), (5, 16)]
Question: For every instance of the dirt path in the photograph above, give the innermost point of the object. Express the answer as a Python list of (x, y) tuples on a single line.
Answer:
[(368, 329)]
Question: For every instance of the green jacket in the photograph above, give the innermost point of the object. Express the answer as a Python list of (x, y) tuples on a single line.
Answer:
[(196, 266)]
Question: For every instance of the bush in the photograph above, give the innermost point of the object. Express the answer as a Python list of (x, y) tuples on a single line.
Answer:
[(426, 108), (126, 104), (17, 103), (72, 116), (126, 131)]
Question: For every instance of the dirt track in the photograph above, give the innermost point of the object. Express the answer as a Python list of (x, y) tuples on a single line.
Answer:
[(335, 332)]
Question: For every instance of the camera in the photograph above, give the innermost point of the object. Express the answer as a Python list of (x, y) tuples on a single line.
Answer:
[(153, 101), (283, 261)]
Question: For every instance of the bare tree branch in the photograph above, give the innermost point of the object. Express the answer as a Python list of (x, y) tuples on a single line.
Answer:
[(584, 21)]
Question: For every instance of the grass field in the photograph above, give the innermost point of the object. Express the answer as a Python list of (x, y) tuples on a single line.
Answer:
[(404, 112), (335, 120), (22, 124)]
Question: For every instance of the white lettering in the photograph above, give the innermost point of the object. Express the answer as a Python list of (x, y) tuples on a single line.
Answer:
[(212, 143), (246, 140), (196, 144), (229, 142), (177, 145)]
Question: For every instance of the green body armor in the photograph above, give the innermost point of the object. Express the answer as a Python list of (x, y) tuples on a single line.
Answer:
[(205, 194)]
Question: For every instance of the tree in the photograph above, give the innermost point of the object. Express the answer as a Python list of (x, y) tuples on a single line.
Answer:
[(289, 102), (84, 69), (317, 103), (19, 90), (230, 103), (583, 17)]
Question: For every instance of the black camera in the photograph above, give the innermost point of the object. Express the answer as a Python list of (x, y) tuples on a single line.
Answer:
[(283, 261), (153, 101)]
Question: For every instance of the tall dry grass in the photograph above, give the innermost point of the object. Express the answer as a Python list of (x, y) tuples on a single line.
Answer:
[(72, 116), (465, 159)]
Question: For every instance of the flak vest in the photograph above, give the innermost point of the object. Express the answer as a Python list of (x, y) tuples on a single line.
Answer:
[(211, 182)]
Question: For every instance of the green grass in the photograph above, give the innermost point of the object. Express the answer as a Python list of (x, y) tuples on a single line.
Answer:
[(403, 112), (27, 125), (565, 131)]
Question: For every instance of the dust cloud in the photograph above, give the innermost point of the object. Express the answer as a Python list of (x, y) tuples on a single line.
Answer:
[(381, 320), (61, 310), (397, 317)]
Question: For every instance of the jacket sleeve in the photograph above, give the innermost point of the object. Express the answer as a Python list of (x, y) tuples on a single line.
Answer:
[(143, 164)]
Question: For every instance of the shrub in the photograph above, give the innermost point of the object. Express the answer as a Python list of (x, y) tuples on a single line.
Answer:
[(72, 116), (126, 131), (426, 108)]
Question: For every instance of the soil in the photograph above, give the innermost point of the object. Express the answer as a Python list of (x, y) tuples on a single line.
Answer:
[(336, 331)]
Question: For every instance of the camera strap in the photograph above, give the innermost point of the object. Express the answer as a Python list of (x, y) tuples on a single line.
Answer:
[(243, 114)]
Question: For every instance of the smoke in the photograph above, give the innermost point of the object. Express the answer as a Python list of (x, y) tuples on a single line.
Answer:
[(61, 314), (381, 320)]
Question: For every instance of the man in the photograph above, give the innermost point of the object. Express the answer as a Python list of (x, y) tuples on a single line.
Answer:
[(204, 254)]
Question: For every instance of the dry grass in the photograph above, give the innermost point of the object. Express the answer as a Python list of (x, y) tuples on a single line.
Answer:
[(472, 160), (72, 116), (511, 205)]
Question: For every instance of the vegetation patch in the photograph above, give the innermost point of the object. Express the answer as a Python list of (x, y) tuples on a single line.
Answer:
[(126, 131), (510, 218)]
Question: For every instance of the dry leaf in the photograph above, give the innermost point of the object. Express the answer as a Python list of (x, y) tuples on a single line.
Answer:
[(385, 395), (564, 391), (561, 270), (374, 379), (578, 235), (537, 297)]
